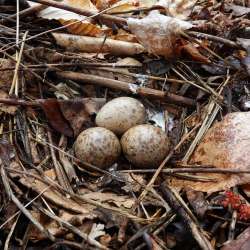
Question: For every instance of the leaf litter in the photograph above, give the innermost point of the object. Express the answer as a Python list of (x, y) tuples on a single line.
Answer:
[(187, 65)]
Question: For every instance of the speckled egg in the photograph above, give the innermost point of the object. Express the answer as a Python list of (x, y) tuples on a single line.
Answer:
[(145, 145), (120, 114), (97, 146)]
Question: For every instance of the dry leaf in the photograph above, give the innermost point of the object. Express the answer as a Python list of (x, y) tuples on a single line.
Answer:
[(57, 198), (133, 182), (241, 243), (70, 117), (128, 5), (194, 53), (226, 145), (123, 5), (84, 27), (97, 45), (178, 8), (123, 35), (96, 231), (111, 198), (158, 33), (52, 226)]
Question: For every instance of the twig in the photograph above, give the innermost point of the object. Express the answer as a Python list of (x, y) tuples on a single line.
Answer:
[(15, 78), (26, 205), (6, 245), (23, 13), (162, 165), (170, 196), (72, 228), (127, 87), (60, 174), (21, 207), (212, 109), (213, 38)]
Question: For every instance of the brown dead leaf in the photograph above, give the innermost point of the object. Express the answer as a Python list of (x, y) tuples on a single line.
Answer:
[(133, 182), (70, 117), (123, 5), (226, 145), (194, 53), (158, 33), (55, 117), (178, 8), (104, 4), (110, 198), (9, 109), (78, 112), (83, 27), (52, 226), (55, 197), (241, 243), (123, 35)]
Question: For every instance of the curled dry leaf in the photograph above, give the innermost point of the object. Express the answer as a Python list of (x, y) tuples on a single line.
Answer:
[(52, 226), (194, 53), (110, 198), (158, 33), (128, 5), (55, 197), (178, 8), (226, 145), (70, 117), (97, 45), (83, 27)]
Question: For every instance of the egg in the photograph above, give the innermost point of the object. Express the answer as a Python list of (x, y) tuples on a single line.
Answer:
[(97, 146), (120, 114), (145, 145)]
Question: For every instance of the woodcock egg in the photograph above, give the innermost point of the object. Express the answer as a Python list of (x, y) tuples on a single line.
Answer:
[(97, 146), (145, 145), (120, 114)]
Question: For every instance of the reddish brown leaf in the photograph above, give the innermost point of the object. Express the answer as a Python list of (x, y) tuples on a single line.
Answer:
[(70, 117), (78, 112), (194, 53), (53, 113)]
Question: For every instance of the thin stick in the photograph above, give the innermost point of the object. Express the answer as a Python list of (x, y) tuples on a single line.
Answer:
[(213, 38), (26, 205), (177, 204), (23, 13), (15, 78), (127, 87), (158, 171), (74, 229), (21, 207)]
